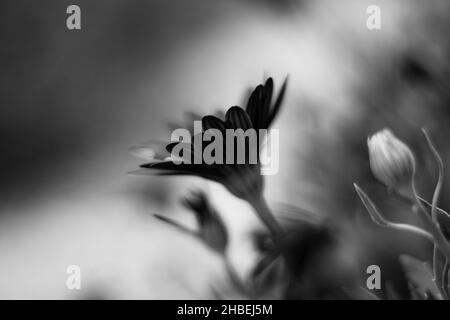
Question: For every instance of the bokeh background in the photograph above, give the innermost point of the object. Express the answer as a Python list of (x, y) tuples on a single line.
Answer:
[(72, 103)]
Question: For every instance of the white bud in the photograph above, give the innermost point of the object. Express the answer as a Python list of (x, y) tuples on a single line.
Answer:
[(391, 160)]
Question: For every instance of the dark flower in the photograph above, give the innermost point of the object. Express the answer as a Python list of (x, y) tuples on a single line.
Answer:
[(242, 180)]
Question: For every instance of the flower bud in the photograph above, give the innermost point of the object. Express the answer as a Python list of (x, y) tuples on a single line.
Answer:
[(212, 228), (391, 160)]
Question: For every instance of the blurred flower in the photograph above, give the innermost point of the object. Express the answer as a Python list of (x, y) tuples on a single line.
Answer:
[(391, 160), (242, 180), (212, 230)]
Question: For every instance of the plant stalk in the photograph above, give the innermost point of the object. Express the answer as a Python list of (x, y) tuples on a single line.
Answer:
[(262, 209)]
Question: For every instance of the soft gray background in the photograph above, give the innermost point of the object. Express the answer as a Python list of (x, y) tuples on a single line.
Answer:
[(72, 103)]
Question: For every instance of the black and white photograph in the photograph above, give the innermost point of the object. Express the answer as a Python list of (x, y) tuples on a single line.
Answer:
[(242, 150)]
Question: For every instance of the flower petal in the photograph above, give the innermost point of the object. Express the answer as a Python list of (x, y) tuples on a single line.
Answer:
[(277, 105), (253, 106), (150, 151), (212, 122), (237, 118)]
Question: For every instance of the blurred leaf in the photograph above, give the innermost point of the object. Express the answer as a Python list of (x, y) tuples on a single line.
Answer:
[(420, 278)]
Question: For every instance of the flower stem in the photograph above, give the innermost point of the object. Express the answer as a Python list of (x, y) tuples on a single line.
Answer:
[(277, 232), (436, 194), (432, 226), (262, 209), (379, 219)]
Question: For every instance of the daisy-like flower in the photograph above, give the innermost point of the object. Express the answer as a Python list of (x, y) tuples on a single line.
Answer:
[(242, 180)]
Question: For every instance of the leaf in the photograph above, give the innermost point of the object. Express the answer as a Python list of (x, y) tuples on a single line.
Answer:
[(420, 278), (370, 206)]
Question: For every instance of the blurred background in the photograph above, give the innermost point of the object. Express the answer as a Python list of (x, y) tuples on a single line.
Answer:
[(73, 103)]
